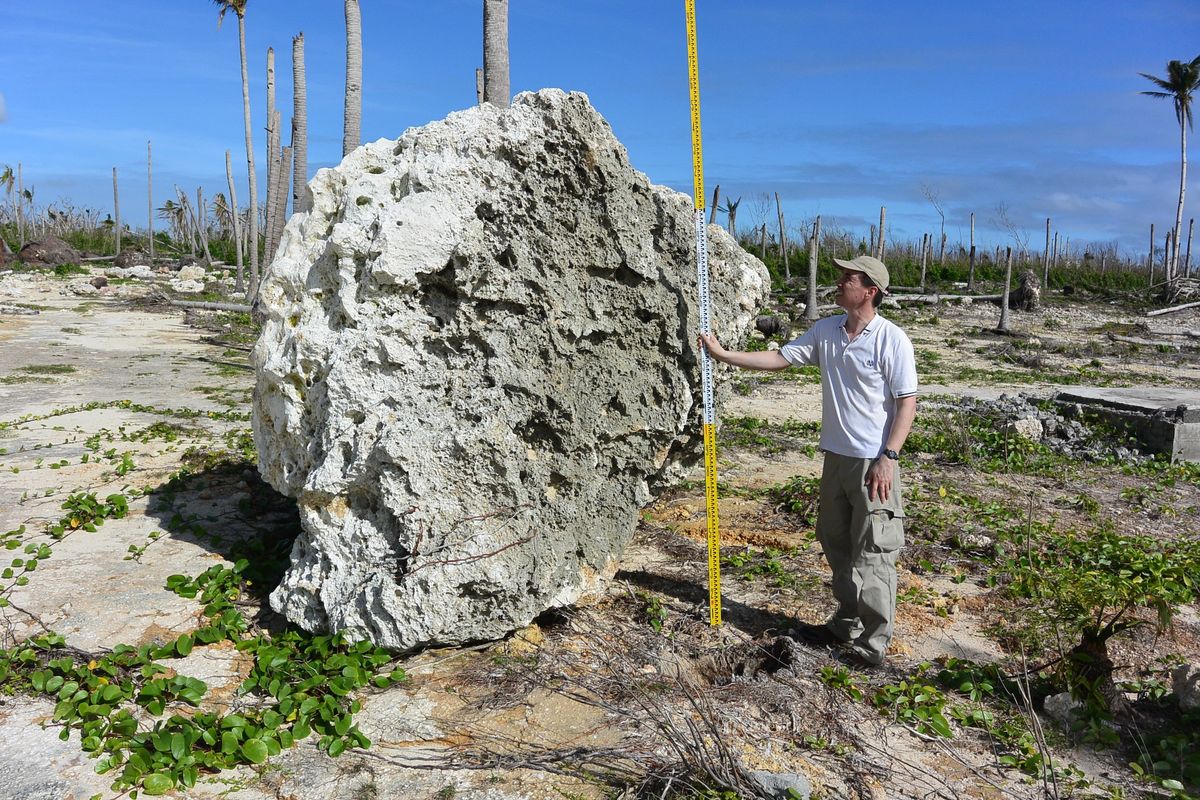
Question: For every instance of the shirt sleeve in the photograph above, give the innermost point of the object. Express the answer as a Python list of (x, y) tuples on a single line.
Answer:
[(900, 368), (802, 350)]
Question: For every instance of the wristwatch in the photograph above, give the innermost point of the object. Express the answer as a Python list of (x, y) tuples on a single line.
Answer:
[(892, 454)]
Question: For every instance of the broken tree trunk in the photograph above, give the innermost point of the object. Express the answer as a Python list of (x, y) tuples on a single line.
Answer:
[(971, 258), (1003, 326), (810, 307), (882, 227), (787, 273)]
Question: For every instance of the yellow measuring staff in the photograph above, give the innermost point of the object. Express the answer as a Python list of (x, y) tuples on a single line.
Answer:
[(709, 426)]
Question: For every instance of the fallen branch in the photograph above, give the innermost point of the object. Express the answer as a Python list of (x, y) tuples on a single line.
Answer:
[(204, 306), (1171, 309), (1144, 342)]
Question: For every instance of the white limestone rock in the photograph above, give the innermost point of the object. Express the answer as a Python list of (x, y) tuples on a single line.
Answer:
[(478, 364), (1185, 682), (192, 272), (186, 287)]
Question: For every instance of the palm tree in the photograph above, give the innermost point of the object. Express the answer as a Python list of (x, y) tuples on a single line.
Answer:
[(1183, 78), (495, 52), (239, 7), (353, 114), (7, 179)]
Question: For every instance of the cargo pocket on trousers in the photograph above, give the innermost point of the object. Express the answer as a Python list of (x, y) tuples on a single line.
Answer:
[(886, 531)]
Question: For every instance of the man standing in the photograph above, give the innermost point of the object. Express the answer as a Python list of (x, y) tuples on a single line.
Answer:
[(868, 402)]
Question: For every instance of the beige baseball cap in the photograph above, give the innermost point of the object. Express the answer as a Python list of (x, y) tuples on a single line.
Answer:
[(873, 267)]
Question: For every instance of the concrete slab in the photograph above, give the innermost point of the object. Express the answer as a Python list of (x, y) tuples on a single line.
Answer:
[(1163, 419)]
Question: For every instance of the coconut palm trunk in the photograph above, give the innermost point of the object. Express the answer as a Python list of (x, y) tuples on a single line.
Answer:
[(150, 198), (239, 8), (814, 251), (301, 196), (272, 162), (353, 108), (239, 285), (882, 227), (1181, 83), (20, 209), (495, 53), (116, 215)]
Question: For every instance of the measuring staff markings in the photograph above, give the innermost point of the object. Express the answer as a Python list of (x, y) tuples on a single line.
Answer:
[(709, 427)]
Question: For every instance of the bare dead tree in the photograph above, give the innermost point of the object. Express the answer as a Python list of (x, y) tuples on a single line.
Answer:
[(1046, 257), (926, 254), (1019, 237), (1187, 255), (716, 201), (934, 200), (787, 273), (1150, 257)]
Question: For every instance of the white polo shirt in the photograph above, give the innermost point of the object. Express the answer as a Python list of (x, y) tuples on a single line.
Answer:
[(860, 381)]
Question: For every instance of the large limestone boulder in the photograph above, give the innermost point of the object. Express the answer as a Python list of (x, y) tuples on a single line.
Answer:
[(478, 364), (49, 251)]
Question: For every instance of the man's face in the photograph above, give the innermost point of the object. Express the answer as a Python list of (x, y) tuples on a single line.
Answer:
[(851, 291)]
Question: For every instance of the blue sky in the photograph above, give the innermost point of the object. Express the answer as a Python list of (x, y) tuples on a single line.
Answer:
[(838, 107)]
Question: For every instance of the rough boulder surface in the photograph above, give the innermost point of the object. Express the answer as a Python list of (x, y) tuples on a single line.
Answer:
[(48, 252), (478, 364)]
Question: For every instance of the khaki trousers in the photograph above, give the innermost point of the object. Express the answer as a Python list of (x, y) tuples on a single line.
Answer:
[(862, 539)]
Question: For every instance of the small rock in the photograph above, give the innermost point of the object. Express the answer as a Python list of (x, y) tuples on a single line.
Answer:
[(1063, 709), (190, 273), (968, 540), (1027, 428), (1185, 682), (775, 785), (131, 258), (772, 326), (523, 642), (187, 287), (82, 289), (99, 281)]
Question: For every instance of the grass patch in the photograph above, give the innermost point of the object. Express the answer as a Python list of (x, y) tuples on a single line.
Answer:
[(9, 380), (63, 270), (48, 369), (768, 437)]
